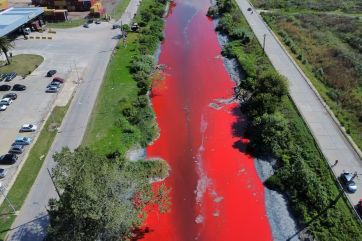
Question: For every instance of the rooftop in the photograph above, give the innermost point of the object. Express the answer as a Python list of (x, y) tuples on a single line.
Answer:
[(13, 18)]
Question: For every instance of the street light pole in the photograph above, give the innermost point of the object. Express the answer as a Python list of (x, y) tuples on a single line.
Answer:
[(264, 42)]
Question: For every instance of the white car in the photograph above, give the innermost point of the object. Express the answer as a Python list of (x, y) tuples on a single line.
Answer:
[(6, 101), (3, 107), (28, 128)]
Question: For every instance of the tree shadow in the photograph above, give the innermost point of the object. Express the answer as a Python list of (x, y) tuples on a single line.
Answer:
[(139, 233), (33, 230), (239, 129)]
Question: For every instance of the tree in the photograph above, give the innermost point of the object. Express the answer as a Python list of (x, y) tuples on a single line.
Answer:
[(99, 200), (5, 45), (270, 134)]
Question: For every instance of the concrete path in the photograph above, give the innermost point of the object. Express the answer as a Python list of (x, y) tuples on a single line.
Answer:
[(332, 142), (31, 223)]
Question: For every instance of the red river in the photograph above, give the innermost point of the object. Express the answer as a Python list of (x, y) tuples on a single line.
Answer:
[(216, 192)]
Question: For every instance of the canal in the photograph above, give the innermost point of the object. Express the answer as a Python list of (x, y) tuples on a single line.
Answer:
[(216, 192)]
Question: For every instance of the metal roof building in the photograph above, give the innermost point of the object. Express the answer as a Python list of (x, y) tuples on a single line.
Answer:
[(13, 18)]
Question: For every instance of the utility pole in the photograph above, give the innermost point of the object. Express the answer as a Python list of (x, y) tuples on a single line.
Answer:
[(6, 198), (264, 42)]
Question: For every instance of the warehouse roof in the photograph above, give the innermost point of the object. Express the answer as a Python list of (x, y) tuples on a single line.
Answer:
[(13, 18)]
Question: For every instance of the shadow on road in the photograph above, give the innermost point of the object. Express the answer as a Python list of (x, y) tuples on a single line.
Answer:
[(33, 230)]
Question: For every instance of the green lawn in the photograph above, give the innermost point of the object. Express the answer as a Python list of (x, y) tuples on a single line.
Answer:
[(23, 64), (30, 170), (103, 134), (67, 24)]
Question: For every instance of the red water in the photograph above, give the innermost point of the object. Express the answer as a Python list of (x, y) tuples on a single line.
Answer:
[(216, 193)]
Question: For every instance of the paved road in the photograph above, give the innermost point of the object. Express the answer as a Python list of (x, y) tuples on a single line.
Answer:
[(32, 221), (326, 132)]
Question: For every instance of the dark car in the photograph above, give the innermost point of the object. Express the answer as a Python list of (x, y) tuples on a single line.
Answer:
[(8, 159), (5, 87), (359, 206), (10, 76), (347, 180), (19, 87), (3, 76), (86, 25), (12, 96), (90, 20), (115, 26), (51, 73), (57, 79)]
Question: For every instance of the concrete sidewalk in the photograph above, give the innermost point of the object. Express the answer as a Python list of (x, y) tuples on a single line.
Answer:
[(326, 131)]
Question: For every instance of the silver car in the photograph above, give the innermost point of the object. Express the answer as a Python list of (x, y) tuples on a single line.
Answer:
[(17, 149), (3, 172), (28, 128)]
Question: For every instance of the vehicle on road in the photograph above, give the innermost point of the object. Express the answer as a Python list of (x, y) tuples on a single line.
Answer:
[(6, 101), (12, 96), (19, 87), (115, 26), (51, 73), (3, 172), (10, 76), (17, 149), (8, 159), (86, 25), (22, 140), (52, 89), (97, 21), (3, 107), (28, 128), (58, 79), (5, 87), (347, 181)]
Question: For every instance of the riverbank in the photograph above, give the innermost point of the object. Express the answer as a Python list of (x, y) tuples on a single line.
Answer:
[(276, 129)]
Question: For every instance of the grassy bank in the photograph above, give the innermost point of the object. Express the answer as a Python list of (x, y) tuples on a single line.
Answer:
[(67, 24), (119, 9), (22, 64), (277, 130), (30, 169), (328, 49)]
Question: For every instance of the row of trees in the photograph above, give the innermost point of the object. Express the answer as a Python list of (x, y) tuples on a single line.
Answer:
[(105, 197), (276, 131)]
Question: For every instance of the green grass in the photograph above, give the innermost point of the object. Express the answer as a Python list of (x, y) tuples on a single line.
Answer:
[(23, 64), (67, 24), (30, 170), (119, 9), (102, 133)]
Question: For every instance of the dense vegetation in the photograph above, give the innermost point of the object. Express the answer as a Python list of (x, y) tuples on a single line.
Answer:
[(277, 131), (351, 6), (329, 48), (103, 194)]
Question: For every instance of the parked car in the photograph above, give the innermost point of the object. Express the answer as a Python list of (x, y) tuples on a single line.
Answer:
[(347, 180), (51, 73), (52, 89), (135, 27), (3, 107), (54, 84), (90, 20), (2, 76), (10, 76), (5, 87), (58, 79), (22, 141), (8, 159), (86, 25), (12, 96), (115, 26), (28, 128), (6, 101), (97, 21), (17, 149), (19, 87), (3, 172)]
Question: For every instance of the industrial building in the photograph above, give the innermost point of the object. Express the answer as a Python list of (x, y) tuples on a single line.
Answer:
[(3, 4), (13, 19), (70, 5)]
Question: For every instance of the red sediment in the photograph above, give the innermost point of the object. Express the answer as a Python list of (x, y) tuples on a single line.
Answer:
[(216, 193)]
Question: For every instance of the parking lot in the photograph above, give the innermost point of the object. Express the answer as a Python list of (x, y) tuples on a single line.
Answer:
[(69, 52)]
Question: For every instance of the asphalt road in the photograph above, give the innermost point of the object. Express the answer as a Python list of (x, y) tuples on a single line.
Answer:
[(332, 142), (32, 221)]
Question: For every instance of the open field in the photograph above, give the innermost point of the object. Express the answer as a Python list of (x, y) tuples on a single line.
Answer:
[(329, 49), (22, 64), (350, 6)]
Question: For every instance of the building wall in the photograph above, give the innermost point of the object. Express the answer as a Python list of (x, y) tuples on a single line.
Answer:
[(3, 4)]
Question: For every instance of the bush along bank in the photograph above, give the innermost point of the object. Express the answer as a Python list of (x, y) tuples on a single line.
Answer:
[(277, 131), (103, 196)]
